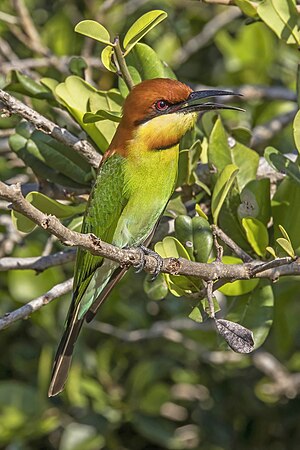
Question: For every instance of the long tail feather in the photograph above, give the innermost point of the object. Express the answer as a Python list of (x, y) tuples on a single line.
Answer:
[(116, 277), (64, 354)]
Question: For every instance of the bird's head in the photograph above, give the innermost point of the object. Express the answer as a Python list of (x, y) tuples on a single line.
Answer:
[(160, 111)]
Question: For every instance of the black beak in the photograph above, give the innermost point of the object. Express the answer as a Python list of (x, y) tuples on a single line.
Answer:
[(195, 102)]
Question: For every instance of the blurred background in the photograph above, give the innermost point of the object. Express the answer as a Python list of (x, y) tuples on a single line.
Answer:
[(144, 377)]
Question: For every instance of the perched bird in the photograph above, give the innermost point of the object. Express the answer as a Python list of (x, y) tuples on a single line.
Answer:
[(136, 178)]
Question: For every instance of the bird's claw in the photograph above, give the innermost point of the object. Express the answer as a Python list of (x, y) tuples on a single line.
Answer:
[(140, 266)]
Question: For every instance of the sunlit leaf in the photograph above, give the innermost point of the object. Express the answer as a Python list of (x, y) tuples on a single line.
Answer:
[(141, 27), (282, 18), (238, 287), (222, 187), (287, 246), (94, 30), (271, 251), (221, 154), (257, 234), (296, 128), (106, 58), (247, 7), (48, 206)]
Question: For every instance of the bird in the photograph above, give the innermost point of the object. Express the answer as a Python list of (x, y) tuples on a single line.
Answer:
[(135, 180)]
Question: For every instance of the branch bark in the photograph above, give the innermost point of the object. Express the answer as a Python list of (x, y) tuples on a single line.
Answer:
[(38, 263), (132, 257), (11, 105), (25, 311)]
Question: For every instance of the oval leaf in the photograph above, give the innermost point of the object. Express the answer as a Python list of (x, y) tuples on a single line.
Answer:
[(282, 164), (141, 27), (94, 30), (222, 187), (238, 287), (106, 58), (257, 235)]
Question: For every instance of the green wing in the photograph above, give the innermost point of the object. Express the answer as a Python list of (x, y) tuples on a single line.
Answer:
[(104, 208)]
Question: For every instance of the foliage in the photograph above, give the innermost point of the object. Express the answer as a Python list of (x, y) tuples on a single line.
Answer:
[(163, 388)]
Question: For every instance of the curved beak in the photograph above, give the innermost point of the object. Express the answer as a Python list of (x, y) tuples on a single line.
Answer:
[(195, 102)]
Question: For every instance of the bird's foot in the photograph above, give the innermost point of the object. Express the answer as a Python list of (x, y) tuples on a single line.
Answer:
[(140, 266)]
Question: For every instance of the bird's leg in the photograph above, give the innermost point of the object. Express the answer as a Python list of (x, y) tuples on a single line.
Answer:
[(146, 251)]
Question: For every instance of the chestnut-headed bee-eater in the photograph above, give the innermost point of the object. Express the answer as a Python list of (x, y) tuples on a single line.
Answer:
[(136, 178)]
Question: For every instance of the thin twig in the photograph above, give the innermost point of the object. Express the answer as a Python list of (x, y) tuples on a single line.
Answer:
[(206, 34), (263, 133), (251, 92), (11, 105), (122, 64), (29, 28), (25, 311), (60, 62), (231, 244), (218, 247)]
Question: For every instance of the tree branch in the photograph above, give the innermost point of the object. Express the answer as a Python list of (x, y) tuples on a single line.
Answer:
[(206, 34), (128, 257), (38, 263), (25, 311), (263, 133), (10, 105)]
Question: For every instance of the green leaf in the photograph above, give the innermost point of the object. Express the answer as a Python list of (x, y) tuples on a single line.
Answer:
[(271, 251), (77, 66), (179, 286), (188, 162), (239, 287), (107, 58), (254, 311), (286, 211), (296, 128), (257, 235), (25, 85), (156, 289), (287, 246), (200, 212), (50, 83), (222, 187), (94, 30), (202, 239), (101, 114), (282, 164), (256, 200), (196, 314), (284, 233), (200, 313), (79, 97), (49, 159), (184, 233), (141, 27), (220, 155), (144, 64), (48, 206), (282, 18), (246, 7)]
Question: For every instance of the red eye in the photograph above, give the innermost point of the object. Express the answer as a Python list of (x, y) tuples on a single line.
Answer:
[(161, 105)]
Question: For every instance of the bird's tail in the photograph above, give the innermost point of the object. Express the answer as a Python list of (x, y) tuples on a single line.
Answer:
[(64, 353)]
